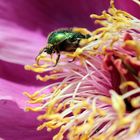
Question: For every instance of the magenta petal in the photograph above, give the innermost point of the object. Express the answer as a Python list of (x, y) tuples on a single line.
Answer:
[(13, 91), (19, 45), (15, 124), (129, 6), (15, 80), (17, 74), (47, 15)]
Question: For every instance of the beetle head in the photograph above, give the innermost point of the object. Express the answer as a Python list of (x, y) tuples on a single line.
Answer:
[(49, 49)]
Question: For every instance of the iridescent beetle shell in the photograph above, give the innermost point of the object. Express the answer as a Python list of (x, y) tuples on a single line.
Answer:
[(65, 40)]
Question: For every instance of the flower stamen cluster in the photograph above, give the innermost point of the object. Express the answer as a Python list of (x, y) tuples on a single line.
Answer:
[(96, 97)]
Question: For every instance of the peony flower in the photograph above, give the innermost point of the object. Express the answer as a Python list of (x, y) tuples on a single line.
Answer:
[(81, 90), (97, 96)]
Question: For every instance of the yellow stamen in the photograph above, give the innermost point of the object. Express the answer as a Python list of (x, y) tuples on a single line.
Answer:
[(39, 99), (46, 77), (39, 69), (105, 100), (33, 96), (135, 102), (118, 104), (134, 127), (128, 83), (33, 109), (81, 30), (133, 45)]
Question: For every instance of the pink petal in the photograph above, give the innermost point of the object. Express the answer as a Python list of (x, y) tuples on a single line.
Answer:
[(15, 80), (15, 124), (19, 45), (129, 6)]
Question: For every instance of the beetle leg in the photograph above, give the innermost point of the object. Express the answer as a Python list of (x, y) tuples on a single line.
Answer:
[(58, 57), (72, 60), (51, 56)]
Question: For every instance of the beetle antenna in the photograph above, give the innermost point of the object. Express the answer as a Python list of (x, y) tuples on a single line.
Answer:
[(51, 56)]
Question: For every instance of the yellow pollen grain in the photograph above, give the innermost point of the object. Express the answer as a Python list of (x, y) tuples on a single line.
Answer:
[(27, 94), (112, 21), (115, 39), (131, 44), (104, 49), (135, 102), (83, 42), (27, 67), (40, 57), (32, 96), (66, 120), (56, 93), (77, 111), (60, 106), (59, 136), (39, 99), (128, 83), (51, 107), (101, 112), (43, 66), (97, 16), (81, 30), (105, 99), (41, 117), (50, 124), (78, 51), (40, 127), (38, 69), (99, 137), (55, 116), (112, 129), (84, 137), (125, 120), (100, 30), (55, 125), (112, 138), (91, 118), (46, 77), (118, 104), (33, 109), (134, 127)]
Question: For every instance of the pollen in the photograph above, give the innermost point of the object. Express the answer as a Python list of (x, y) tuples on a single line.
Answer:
[(136, 102), (96, 95)]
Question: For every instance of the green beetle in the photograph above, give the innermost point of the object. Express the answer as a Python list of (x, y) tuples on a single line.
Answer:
[(66, 40)]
